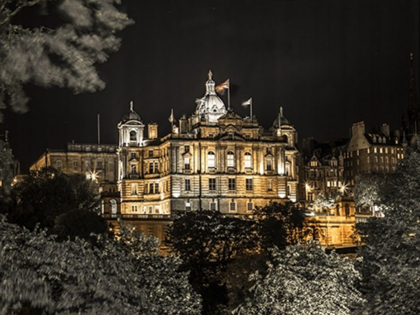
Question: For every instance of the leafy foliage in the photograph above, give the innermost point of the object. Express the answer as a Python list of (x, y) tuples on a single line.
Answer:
[(60, 50), (44, 195), (368, 189), (126, 276), (391, 256), (303, 279), (220, 251)]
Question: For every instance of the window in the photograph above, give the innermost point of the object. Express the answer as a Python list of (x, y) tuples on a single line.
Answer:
[(150, 153), (232, 184), (211, 135), (380, 150), (232, 206), (247, 136), (269, 164), (249, 185), (337, 210), (231, 136), (151, 188), (156, 167), (113, 203), (250, 207), (230, 159), (133, 189), (133, 169), (186, 148), (188, 185), (75, 164), (187, 163), (133, 155), (310, 197), (213, 206), (211, 160), (134, 208), (58, 164), (347, 209), (188, 206), (248, 161), (287, 190), (374, 150), (150, 209), (269, 184), (156, 188), (99, 165), (133, 135), (212, 183)]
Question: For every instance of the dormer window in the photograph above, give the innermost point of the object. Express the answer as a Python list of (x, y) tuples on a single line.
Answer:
[(133, 135)]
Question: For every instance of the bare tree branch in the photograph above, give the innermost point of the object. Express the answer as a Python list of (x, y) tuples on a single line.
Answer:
[(16, 11)]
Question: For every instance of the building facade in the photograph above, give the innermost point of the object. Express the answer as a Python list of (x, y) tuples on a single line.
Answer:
[(213, 159)]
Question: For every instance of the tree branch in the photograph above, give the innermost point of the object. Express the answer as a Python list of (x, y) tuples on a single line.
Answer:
[(16, 11)]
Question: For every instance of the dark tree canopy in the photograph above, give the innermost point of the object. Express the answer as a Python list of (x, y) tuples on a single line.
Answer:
[(45, 195), (390, 266), (61, 49)]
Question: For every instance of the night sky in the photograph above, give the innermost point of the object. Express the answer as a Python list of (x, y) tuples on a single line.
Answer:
[(329, 63)]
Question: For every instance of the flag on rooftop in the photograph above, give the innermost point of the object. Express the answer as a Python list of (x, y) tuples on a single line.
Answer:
[(222, 87), (247, 103)]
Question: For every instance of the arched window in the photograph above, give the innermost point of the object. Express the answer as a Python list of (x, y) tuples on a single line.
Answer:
[(113, 203), (248, 160), (230, 159), (211, 159), (347, 209), (133, 135)]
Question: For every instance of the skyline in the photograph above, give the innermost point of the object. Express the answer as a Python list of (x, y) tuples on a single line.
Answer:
[(328, 64)]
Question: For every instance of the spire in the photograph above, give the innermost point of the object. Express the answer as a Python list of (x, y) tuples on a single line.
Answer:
[(131, 106), (281, 111), (210, 84)]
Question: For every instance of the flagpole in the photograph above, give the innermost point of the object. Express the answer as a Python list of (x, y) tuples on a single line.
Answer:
[(229, 95), (250, 109)]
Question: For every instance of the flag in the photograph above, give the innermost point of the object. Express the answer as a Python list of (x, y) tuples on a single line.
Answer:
[(222, 87), (171, 118), (248, 102)]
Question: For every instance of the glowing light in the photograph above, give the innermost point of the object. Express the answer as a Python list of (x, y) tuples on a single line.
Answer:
[(176, 194), (343, 189)]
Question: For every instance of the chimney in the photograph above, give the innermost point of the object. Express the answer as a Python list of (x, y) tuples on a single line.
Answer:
[(358, 128), (385, 130), (153, 130)]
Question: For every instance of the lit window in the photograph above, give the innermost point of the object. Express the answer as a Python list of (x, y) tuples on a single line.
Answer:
[(133, 189), (133, 135), (374, 150), (249, 185), (232, 184), (113, 203), (230, 159), (386, 150), (187, 185), (380, 150), (328, 183), (212, 183), (211, 159), (188, 206), (248, 161), (187, 163)]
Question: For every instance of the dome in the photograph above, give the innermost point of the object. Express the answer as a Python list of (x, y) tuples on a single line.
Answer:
[(210, 106), (281, 120), (131, 115)]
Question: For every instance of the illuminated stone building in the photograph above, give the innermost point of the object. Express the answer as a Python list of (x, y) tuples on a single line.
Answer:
[(97, 161), (213, 159), (371, 152)]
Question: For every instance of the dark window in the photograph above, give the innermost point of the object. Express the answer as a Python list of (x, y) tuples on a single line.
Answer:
[(186, 148), (232, 184), (347, 209), (212, 183), (150, 153), (133, 135), (249, 185), (187, 185)]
